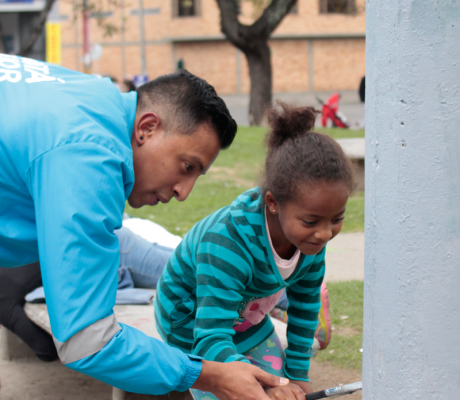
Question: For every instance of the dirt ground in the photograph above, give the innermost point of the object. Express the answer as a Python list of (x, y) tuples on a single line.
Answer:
[(32, 379)]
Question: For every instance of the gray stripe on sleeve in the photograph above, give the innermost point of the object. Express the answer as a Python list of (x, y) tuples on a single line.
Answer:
[(88, 341)]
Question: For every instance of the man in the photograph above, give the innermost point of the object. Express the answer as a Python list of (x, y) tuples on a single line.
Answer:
[(72, 150)]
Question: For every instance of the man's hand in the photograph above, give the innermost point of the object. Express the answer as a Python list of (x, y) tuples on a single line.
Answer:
[(305, 386), (287, 392), (236, 381)]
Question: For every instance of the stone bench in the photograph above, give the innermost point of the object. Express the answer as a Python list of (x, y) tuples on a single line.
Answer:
[(140, 317), (354, 148)]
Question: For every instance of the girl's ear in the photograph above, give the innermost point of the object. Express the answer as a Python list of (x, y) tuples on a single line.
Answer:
[(271, 203)]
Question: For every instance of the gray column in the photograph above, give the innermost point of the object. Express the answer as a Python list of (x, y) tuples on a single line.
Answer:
[(412, 253)]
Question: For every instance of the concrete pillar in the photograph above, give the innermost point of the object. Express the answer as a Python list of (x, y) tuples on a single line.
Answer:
[(412, 252)]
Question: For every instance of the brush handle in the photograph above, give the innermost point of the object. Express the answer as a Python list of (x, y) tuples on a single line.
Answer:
[(316, 395), (335, 391)]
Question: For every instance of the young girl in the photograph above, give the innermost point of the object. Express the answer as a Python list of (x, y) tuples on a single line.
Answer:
[(230, 270)]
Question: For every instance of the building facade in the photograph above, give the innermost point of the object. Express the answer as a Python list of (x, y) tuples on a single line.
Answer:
[(17, 19), (319, 45)]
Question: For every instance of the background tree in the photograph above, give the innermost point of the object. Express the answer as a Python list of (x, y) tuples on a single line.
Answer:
[(37, 30), (93, 7), (252, 40)]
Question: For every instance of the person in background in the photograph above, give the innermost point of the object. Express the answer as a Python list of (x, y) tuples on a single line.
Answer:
[(362, 98), (129, 85), (15, 283), (362, 90)]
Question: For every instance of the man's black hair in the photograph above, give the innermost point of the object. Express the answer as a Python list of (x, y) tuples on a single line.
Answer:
[(183, 101)]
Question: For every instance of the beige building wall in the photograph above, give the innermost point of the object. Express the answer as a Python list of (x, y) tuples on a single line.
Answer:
[(338, 64), (159, 60), (213, 61), (290, 65), (309, 50)]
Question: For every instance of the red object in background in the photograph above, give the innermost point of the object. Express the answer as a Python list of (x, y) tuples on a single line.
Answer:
[(330, 111)]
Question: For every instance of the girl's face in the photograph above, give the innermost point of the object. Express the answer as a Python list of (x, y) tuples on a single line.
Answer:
[(312, 219)]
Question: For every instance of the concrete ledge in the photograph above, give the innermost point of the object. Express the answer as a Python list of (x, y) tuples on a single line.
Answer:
[(142, 318), (354, 148)]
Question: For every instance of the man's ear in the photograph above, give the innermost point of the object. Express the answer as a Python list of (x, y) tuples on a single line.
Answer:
[(144, 127)]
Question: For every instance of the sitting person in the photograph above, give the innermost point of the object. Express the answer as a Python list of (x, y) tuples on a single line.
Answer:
[(15, 283), (231, 269), (141, 265)]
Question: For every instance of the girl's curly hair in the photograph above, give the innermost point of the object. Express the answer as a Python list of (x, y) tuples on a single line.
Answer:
[(298, 157)]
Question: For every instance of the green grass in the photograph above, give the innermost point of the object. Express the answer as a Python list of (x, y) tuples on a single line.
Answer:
[(346, 300), (337, 133), (236, 170), (354, 216)]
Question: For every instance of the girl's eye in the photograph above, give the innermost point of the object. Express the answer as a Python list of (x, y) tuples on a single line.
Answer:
[(188, 167), (309, 223), (338, 220)]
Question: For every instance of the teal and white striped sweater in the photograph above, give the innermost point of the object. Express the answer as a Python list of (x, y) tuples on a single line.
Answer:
[(223, 263)]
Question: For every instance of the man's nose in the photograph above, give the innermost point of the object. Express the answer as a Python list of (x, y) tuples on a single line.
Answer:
[(183, 189)]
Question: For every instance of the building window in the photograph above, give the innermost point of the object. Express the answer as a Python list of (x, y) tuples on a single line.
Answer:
[(337, 6), (186, 8), (294, 9)]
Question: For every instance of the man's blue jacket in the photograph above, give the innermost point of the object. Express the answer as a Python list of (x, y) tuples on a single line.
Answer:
[(66, 170)]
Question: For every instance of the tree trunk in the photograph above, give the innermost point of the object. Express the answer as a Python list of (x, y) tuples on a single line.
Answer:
[(260, 73), (37, 30), (252, 40), (2, 40)]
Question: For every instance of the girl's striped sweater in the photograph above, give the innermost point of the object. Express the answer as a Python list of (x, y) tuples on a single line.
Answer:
[(224, 262)]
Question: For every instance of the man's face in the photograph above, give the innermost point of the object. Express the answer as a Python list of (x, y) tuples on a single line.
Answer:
[(167, 165)]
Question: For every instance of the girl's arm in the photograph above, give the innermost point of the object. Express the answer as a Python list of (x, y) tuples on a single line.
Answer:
[(222, 270), (304, 304)]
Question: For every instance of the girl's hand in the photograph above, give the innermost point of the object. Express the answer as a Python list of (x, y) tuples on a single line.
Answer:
[(305, 386), (287, 392), (237, 381)]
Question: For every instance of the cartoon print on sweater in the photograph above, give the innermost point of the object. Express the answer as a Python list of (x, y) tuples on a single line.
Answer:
[(253, 311)]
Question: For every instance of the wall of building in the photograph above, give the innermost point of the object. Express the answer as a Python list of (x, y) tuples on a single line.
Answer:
[(310, 50)]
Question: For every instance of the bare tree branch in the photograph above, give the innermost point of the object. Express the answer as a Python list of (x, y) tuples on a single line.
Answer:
[(38, 29), (252, 40), (229, 20), (274, 14), (2, 40), (243, 36)]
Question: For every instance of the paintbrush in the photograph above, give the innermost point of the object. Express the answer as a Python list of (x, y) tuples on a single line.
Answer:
[(335, 391)]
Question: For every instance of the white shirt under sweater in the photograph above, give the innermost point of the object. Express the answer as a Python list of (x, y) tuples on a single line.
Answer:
[(285, 267)]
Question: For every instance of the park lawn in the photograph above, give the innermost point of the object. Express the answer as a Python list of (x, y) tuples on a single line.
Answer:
[(346, 312), (236, 170)]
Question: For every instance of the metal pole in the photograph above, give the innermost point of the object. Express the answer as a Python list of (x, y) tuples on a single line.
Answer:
[(142, 38), (311, 66), (86, 39), (123, 39)]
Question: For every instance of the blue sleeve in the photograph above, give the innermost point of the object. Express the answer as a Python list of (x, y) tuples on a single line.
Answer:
[(79, 196)]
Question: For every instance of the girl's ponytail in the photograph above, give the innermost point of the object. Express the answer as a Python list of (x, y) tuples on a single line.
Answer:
[(288, 122), (298, 157)]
